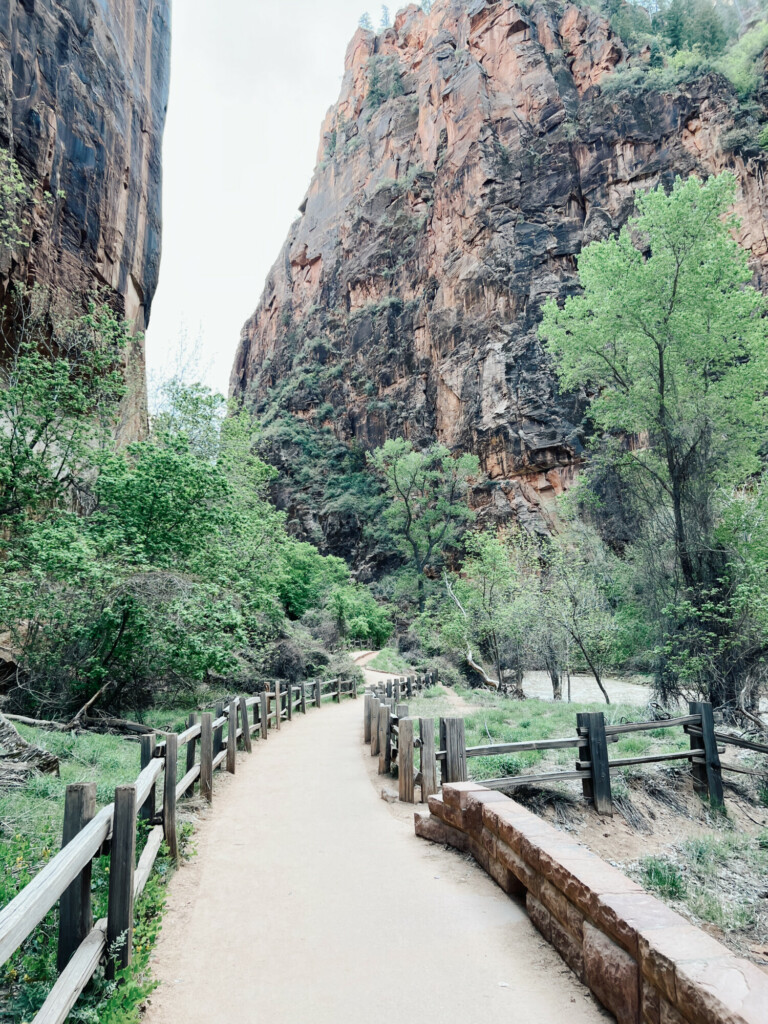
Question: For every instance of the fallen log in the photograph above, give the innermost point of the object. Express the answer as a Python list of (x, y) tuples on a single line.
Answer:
[(21, 752)]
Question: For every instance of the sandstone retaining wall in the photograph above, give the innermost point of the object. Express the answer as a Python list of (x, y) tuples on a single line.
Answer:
[(644, 962)]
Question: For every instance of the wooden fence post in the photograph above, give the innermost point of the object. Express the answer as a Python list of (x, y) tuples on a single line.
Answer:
[(707, 777), (409, 687), (278, 709), (169, 794), (396, 690), (232, 737), (264, 707), (148, 744), (389, 687), (289, 701), (318, 684), (76, 915), (599, 787), (121, 869), (303, 697), (384, 740), (401, 711), (353, 689), (246, 725), (338, 691), (218, 734), (405, 760), (367, 717), (375, 706), (192, 720), (453, 743), (206, 756), (427, 762)]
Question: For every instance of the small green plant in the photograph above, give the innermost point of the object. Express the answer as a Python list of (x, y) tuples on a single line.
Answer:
[(389, 660), (664, 877)]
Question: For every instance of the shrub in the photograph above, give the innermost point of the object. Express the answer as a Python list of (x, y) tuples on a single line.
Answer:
[(664, 877)]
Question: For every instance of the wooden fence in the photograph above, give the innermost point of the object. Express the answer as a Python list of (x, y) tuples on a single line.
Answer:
[(66, 878), (390, 731)]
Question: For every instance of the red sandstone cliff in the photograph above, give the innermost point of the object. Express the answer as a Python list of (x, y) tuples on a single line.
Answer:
[(83, 95), (407, 297)]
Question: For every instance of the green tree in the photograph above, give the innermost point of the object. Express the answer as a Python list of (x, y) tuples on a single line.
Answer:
[(670, 339), (365, 22), (493, 606), (386, 20), (428, 492)]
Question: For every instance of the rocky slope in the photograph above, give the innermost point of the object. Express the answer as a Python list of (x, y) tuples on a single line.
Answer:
[(83, 95), (472, 153)]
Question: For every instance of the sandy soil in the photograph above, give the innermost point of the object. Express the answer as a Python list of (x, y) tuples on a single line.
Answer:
[(310, 900)]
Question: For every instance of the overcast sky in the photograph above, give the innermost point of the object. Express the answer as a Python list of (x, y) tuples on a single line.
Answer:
[(251, 81)]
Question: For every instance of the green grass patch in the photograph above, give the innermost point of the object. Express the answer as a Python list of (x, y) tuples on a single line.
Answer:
[(31, 822), (389, 660), (664, 877)]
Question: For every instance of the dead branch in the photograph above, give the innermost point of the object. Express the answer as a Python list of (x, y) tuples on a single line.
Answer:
[(468, 653)]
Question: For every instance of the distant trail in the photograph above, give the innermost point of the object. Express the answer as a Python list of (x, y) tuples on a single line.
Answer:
[(310, 901)]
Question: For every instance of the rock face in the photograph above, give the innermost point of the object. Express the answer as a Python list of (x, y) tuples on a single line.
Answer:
[(83, 96), (472, 153)]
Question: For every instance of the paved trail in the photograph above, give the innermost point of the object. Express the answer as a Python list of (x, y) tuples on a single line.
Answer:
[(310, 901)]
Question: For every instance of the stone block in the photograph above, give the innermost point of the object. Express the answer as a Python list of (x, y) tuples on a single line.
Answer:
[(570, 917), (583, 878), (624, 915), (568, 946), (455, 793), (473, 808), (510, 822), (612, 975), (503, 877), (668, 1014), (519, 868), (436, 831), (649, 1003), (726, 990), (480, 853), (540, 916), (660, 950), (441, 810)]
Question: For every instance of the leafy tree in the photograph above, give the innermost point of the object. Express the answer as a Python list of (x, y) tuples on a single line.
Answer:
[(670, 339), (386, 20), (426, 6), (494, 606), (428, 491), (365, 22)]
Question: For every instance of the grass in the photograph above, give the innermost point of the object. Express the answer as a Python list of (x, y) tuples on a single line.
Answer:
[(388, 660), (30, 834), (490, 718), (664, 877)]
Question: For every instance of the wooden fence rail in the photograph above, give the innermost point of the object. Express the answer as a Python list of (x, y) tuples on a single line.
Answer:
[(66, 879), (390, 733)]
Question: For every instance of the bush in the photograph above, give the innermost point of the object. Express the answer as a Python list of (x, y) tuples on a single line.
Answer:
[(664, 877)]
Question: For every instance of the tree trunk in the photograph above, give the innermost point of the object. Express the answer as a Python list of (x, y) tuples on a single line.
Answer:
[(19, 752)]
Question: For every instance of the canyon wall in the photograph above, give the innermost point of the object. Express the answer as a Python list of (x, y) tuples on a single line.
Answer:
[(83, 96), (472, 153)]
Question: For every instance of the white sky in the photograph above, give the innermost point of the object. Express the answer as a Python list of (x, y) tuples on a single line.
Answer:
[(251, 81)]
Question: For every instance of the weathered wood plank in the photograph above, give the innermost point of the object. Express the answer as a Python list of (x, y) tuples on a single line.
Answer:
[(707, 778), (453, 741), (264, 713), (246, 728), (76, 915), (600, 771), (405, 761), (74, 978), (218, 729), (232, 738), (303, 697), (121, 871), (148, 742), (169, 794), (206, 756), (147, 860), (427, 761), (367, 717), (193, 729), (375, 705), (384, 748)]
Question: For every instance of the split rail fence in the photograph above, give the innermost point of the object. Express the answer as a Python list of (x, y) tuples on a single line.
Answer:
[(392, 737), (66, 879)]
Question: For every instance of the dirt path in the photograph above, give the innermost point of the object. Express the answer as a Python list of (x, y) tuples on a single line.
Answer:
[(310, 900)]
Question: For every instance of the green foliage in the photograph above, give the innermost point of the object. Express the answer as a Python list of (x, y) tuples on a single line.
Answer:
[(428, 511), (365, 22), (669, 337), (664, 877), (359, 616), (742, 64), (15, 198)]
